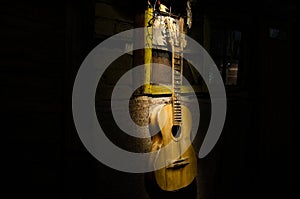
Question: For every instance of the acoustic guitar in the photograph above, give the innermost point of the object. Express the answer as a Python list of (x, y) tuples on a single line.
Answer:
[(174, 121)]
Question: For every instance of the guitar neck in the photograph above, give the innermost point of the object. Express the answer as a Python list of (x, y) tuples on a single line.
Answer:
[(176, 85), (177, 64)]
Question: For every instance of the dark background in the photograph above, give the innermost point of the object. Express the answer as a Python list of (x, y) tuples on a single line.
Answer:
[(42, 46)]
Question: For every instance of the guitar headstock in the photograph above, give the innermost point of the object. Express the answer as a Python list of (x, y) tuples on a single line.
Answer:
[(169, 30)]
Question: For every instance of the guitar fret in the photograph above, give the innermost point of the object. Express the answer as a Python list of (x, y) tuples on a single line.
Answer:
[(178, 110)]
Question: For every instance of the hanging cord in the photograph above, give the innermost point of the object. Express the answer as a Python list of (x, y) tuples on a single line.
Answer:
[(154, 5), (155, 12)]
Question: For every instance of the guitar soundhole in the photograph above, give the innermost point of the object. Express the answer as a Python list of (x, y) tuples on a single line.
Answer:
[(176, 130)]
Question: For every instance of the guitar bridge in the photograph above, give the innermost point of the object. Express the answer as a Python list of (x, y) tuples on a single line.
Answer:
[(177, 163)]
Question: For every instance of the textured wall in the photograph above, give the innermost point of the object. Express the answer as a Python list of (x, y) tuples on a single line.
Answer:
[(42, 47)]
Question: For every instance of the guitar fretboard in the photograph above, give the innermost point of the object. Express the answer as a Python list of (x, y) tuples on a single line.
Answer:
[(176, 83), (177, 63)]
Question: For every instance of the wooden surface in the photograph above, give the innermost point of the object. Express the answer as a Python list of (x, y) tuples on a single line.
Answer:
[(172, 178)]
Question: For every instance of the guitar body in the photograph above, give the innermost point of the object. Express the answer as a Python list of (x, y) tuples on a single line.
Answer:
[(179, 160)]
